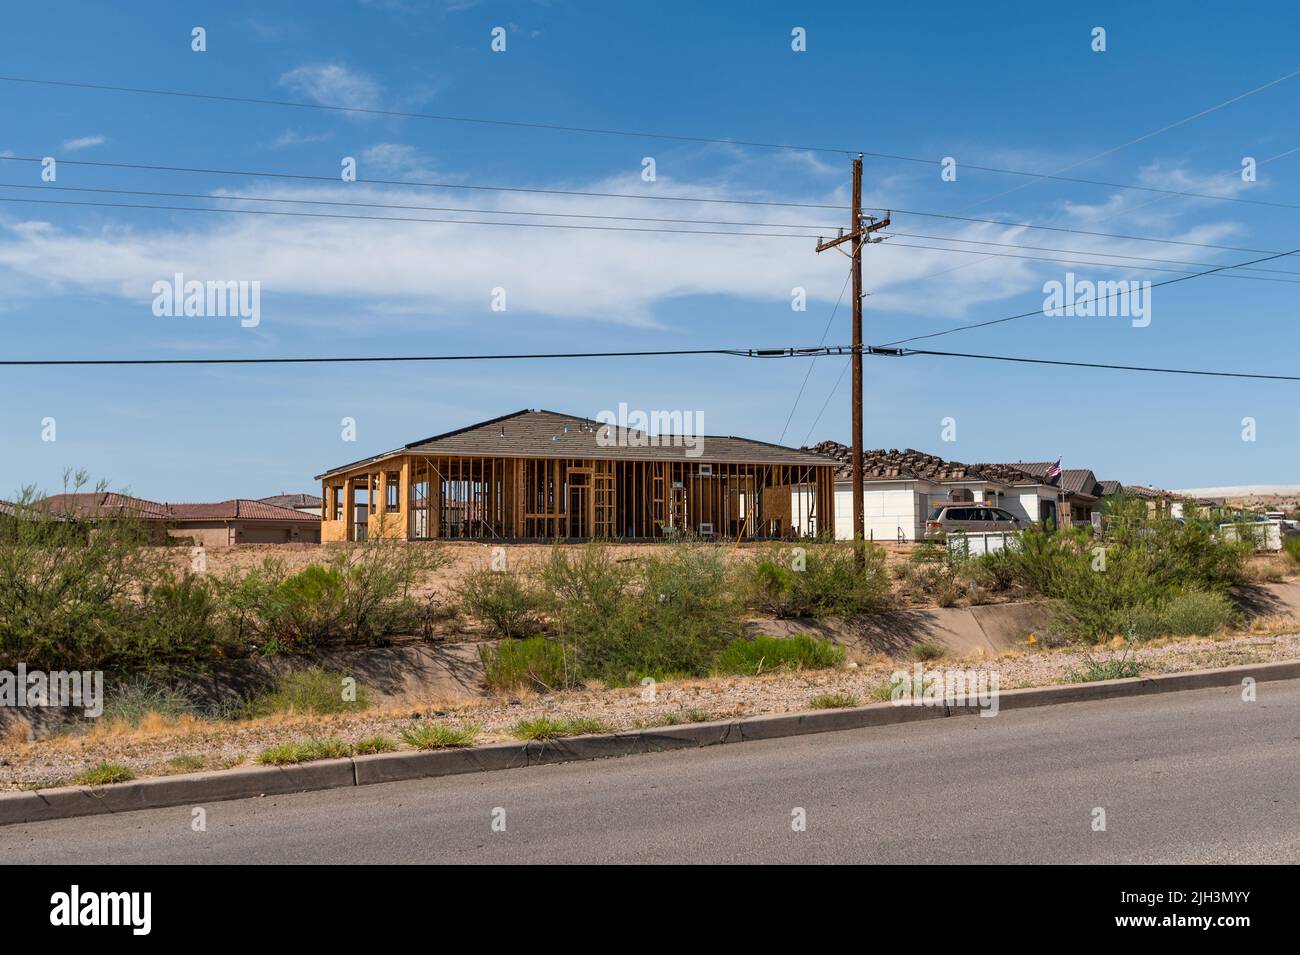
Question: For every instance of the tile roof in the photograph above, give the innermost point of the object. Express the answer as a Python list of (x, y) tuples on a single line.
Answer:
[(549, 434), (292, 500), (1148, 493), (882, 465), (1079, 481), (109, 504), (93, 504), (237, 509)]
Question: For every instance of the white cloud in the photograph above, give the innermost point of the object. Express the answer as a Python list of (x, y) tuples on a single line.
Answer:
[(333, 84), (291, 137), (83, 142), (394, 160), (381, 271)]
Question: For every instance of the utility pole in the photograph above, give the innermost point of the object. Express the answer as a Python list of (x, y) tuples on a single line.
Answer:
[(860, 229)]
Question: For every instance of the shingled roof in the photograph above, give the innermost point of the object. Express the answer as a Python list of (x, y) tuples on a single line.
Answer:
[(882, 465), (550, 434)]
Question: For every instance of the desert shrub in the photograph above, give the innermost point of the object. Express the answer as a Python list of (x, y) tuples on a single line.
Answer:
[(67, 589), (308, 691), (305, 609), (765, 654), (505, 600), (932, 573), (1195, 613), (536, 663), (673, 619), (927, 650), (815, 580), (1291, 546), (1146, 566), (177, 627), (129, 700)]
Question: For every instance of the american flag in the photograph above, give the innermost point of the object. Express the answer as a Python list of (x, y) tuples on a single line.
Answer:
[(1054, 472)]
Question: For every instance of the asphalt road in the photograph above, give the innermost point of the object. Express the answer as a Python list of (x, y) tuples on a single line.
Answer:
[(1198, 776)]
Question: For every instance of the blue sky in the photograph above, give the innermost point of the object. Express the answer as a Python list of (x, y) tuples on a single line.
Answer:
[(1017, 86)]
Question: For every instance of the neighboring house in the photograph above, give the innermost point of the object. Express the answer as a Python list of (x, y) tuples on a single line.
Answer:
[(241, 521), (900, 488), (1167, 502), (1081, 491), (236, 521), (542, 475), (303, 503)]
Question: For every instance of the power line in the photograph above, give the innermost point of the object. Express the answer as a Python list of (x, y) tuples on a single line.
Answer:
[(788, 352), (1156, 132), (634, 229), (578, 215), (1039, 311), (339, 215), (812, 362), (1106, 265), (334, 180), (383, 205), (905, 352), (1087, 232), (403, 114), (414, 184)]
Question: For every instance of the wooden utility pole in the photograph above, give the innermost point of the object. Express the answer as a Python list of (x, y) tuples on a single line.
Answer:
[(860, 229)]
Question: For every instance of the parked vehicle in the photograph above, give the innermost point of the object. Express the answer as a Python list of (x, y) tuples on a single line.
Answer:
[(969, 519)]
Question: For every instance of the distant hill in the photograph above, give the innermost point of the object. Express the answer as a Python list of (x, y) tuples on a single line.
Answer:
[(1241, 492)]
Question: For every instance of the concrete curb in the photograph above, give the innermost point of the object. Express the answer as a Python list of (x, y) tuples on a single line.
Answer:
[(199, 788)]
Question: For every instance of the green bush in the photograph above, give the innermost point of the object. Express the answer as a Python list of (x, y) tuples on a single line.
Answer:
[(307, 608), (1196, 613), (816, 580), (927, 650), (1291, 545), (505, 600), (536, 663), (308, 691), (1153, 567), (67, 591), (672, 619), (765, 654)]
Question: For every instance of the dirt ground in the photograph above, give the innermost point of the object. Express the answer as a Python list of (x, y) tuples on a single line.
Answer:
[(167, 746)]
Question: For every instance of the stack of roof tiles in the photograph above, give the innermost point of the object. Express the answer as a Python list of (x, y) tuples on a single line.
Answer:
[(910, 463)]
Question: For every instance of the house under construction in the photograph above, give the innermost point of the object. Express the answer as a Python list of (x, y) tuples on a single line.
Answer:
[(540, 475)]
